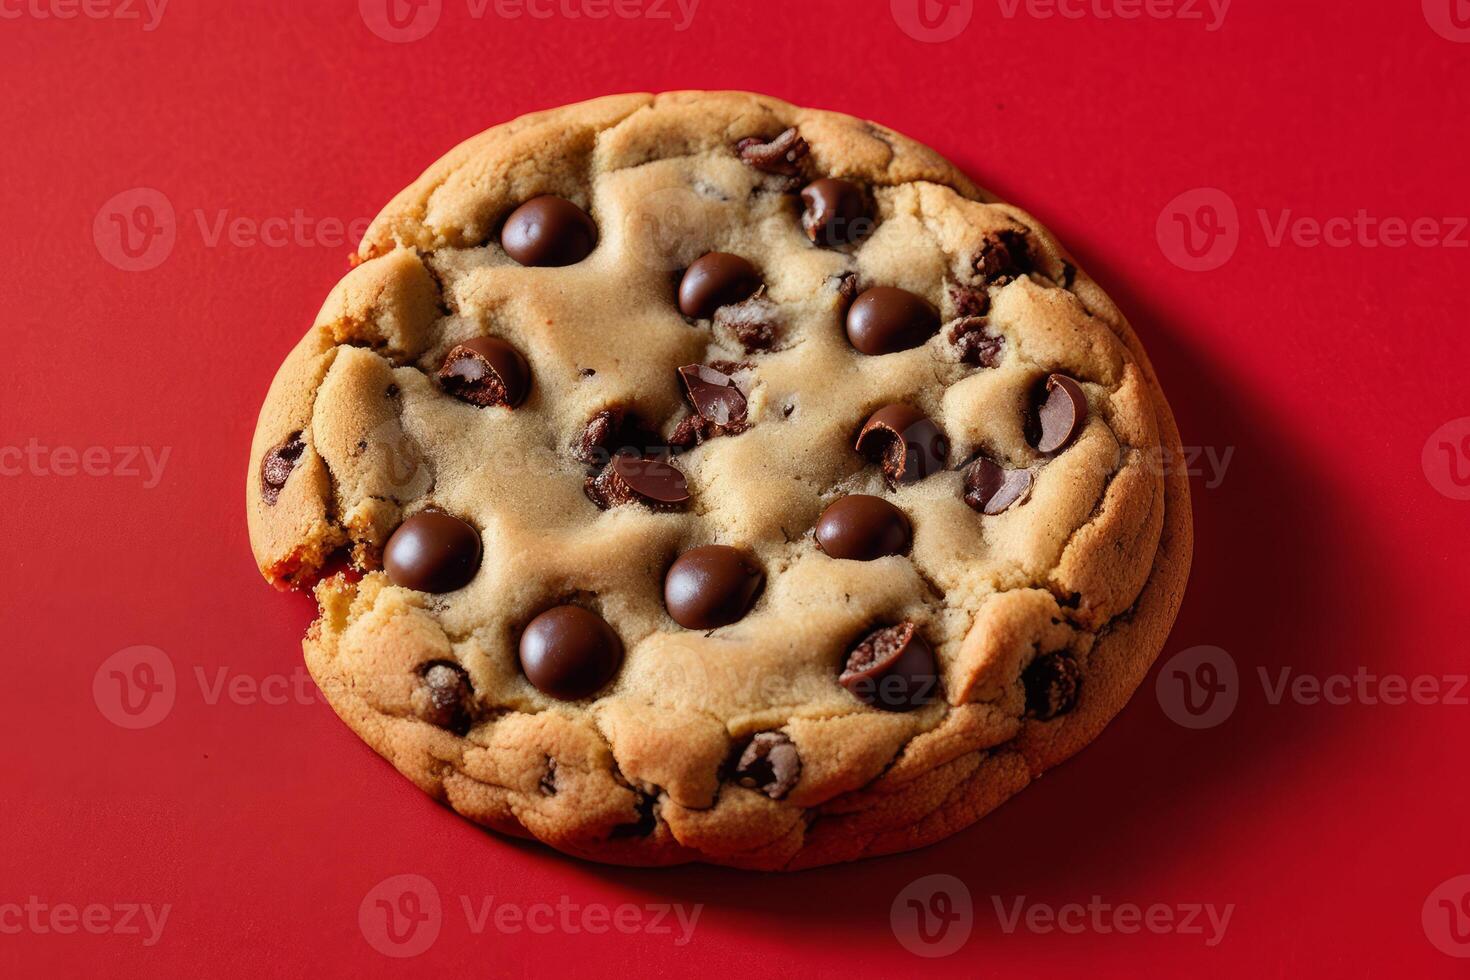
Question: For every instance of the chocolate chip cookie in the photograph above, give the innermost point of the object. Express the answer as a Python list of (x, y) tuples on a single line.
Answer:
[(695, 477)]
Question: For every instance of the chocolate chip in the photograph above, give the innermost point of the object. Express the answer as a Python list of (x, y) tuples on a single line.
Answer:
[(863, 528), (613, 431), (884, 320), (992, 489), (486, 371), (968, 301), (1061, 417), (715, 280), (547, 785), (907, 442), (629, 478), (781, 155), (836, 212), (711, 586), (432, 552), (448, 699), (278, 465), (770, 763), (892, 668), (647, 822), (1052, 684), (569, 653), (973, 342), (548, 231), (1005, 255), (715, 396), (754, 322)]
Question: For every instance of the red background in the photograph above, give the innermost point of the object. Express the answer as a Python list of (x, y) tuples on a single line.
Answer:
[(1326, 548)]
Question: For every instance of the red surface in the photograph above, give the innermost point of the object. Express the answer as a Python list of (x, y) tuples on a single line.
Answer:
[(1328, 547)]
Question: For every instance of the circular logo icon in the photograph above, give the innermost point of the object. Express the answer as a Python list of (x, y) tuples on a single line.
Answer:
[(1199, 687), (1450, 19), (933, 916), (401, 916), (400, 21), (1446, 459), (135, 230), (135, 688), (1199, 230), (1446, 917), (932, 21)]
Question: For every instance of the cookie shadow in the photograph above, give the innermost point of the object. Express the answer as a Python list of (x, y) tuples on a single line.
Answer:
[(1272, 573)]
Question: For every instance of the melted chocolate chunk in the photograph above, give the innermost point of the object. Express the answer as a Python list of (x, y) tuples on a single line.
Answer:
[(278, 465), (637, 479), (715, 280), (770, 763), (487, 372), (973, 342), (1005, 255), (892, 668), (908, 443), (992, 489), (782, 155), (449, 698), (754, 322), (1062, 415), (1053, 683), (614, 431), (836, 212)]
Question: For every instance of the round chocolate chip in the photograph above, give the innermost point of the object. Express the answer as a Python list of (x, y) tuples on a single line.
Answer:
[(1052, 684), (906, 441), (448, 697), (836, 212), (486, 371), (885, 320), (862, 528), (770, 763), (712, 586), (992, 489), (1062, 416), (432, 552), (569, 653), (892, 668), (715, 280), (548, 231)]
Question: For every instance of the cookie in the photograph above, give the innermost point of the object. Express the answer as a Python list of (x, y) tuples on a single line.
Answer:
[(695, 477)]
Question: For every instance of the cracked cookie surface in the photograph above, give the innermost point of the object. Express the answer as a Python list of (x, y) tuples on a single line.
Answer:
[(778, 374)]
